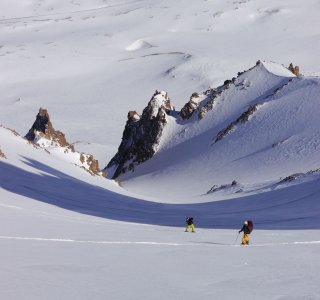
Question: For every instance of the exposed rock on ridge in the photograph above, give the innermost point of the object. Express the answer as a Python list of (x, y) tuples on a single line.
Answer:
[(43, 134), (212, 96), (141, 135), (42, 127), (2, 154), (187, 111), (242, 119), (215, 93), (294, 69)]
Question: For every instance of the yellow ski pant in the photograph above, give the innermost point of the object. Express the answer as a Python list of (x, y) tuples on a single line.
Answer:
[(245, 239), (190, 226)]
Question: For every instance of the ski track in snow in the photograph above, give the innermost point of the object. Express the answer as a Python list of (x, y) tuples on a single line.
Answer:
[(57, 240)]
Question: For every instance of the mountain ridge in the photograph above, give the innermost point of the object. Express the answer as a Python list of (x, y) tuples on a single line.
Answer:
[(256, 117)]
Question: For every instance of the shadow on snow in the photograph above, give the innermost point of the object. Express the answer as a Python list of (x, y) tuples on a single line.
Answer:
[(295, 207)]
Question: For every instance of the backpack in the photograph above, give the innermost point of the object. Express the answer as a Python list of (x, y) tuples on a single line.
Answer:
[(250, 225), (189, 220)]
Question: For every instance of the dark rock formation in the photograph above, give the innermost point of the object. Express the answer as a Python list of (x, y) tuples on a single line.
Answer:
[(234, 182), (141, 135), (212, 96), (242, 119), (43, 126), (187, 111), (292, 177), (227, 82), (216, 188)]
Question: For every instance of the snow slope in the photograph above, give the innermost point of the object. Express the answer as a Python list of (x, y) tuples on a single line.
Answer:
[(279, 139), (35, 174), (68, 235)]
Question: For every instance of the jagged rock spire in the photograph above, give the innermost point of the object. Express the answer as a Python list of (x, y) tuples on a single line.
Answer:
[(141, 135), (42, 128)]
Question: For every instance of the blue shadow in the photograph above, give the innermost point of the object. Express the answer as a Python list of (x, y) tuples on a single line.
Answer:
[(294, 207)]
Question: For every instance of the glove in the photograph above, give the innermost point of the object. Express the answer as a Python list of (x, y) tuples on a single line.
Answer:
[(239, 231)]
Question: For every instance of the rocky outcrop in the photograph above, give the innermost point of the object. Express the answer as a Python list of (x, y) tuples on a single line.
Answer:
[(42, 127), (141, 135), (234, 185), (294, 69), (2, 154), (215, 93), (242, 119), (299, 176), (91, 163), (291, 178), (43, 134), (212, 96), (187, 111)]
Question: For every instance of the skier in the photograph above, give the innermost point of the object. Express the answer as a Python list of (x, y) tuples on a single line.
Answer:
[(189, 222), (247, 229)]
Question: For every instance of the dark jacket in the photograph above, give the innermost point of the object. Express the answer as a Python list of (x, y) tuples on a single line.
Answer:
[(189, 221), (245, 229)]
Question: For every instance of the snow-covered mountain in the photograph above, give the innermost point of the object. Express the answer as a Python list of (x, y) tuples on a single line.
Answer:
[(214, 142), (65, 231), (89, 63), (255, 129)]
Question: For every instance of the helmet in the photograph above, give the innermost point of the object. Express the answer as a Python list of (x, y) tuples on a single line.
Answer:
[(245, 222)]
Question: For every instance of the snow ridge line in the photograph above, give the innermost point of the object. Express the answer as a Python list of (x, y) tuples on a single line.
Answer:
[(149, 243), (89, 242)]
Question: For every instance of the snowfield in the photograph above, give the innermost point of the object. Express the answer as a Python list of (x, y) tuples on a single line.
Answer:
[(72, 57), (66, 234)]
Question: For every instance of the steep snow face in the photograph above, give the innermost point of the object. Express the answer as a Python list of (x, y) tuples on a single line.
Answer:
[(229, 101), (261, 127)]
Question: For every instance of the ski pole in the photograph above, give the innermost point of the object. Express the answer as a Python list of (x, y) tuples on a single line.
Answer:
[(236, 238)]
